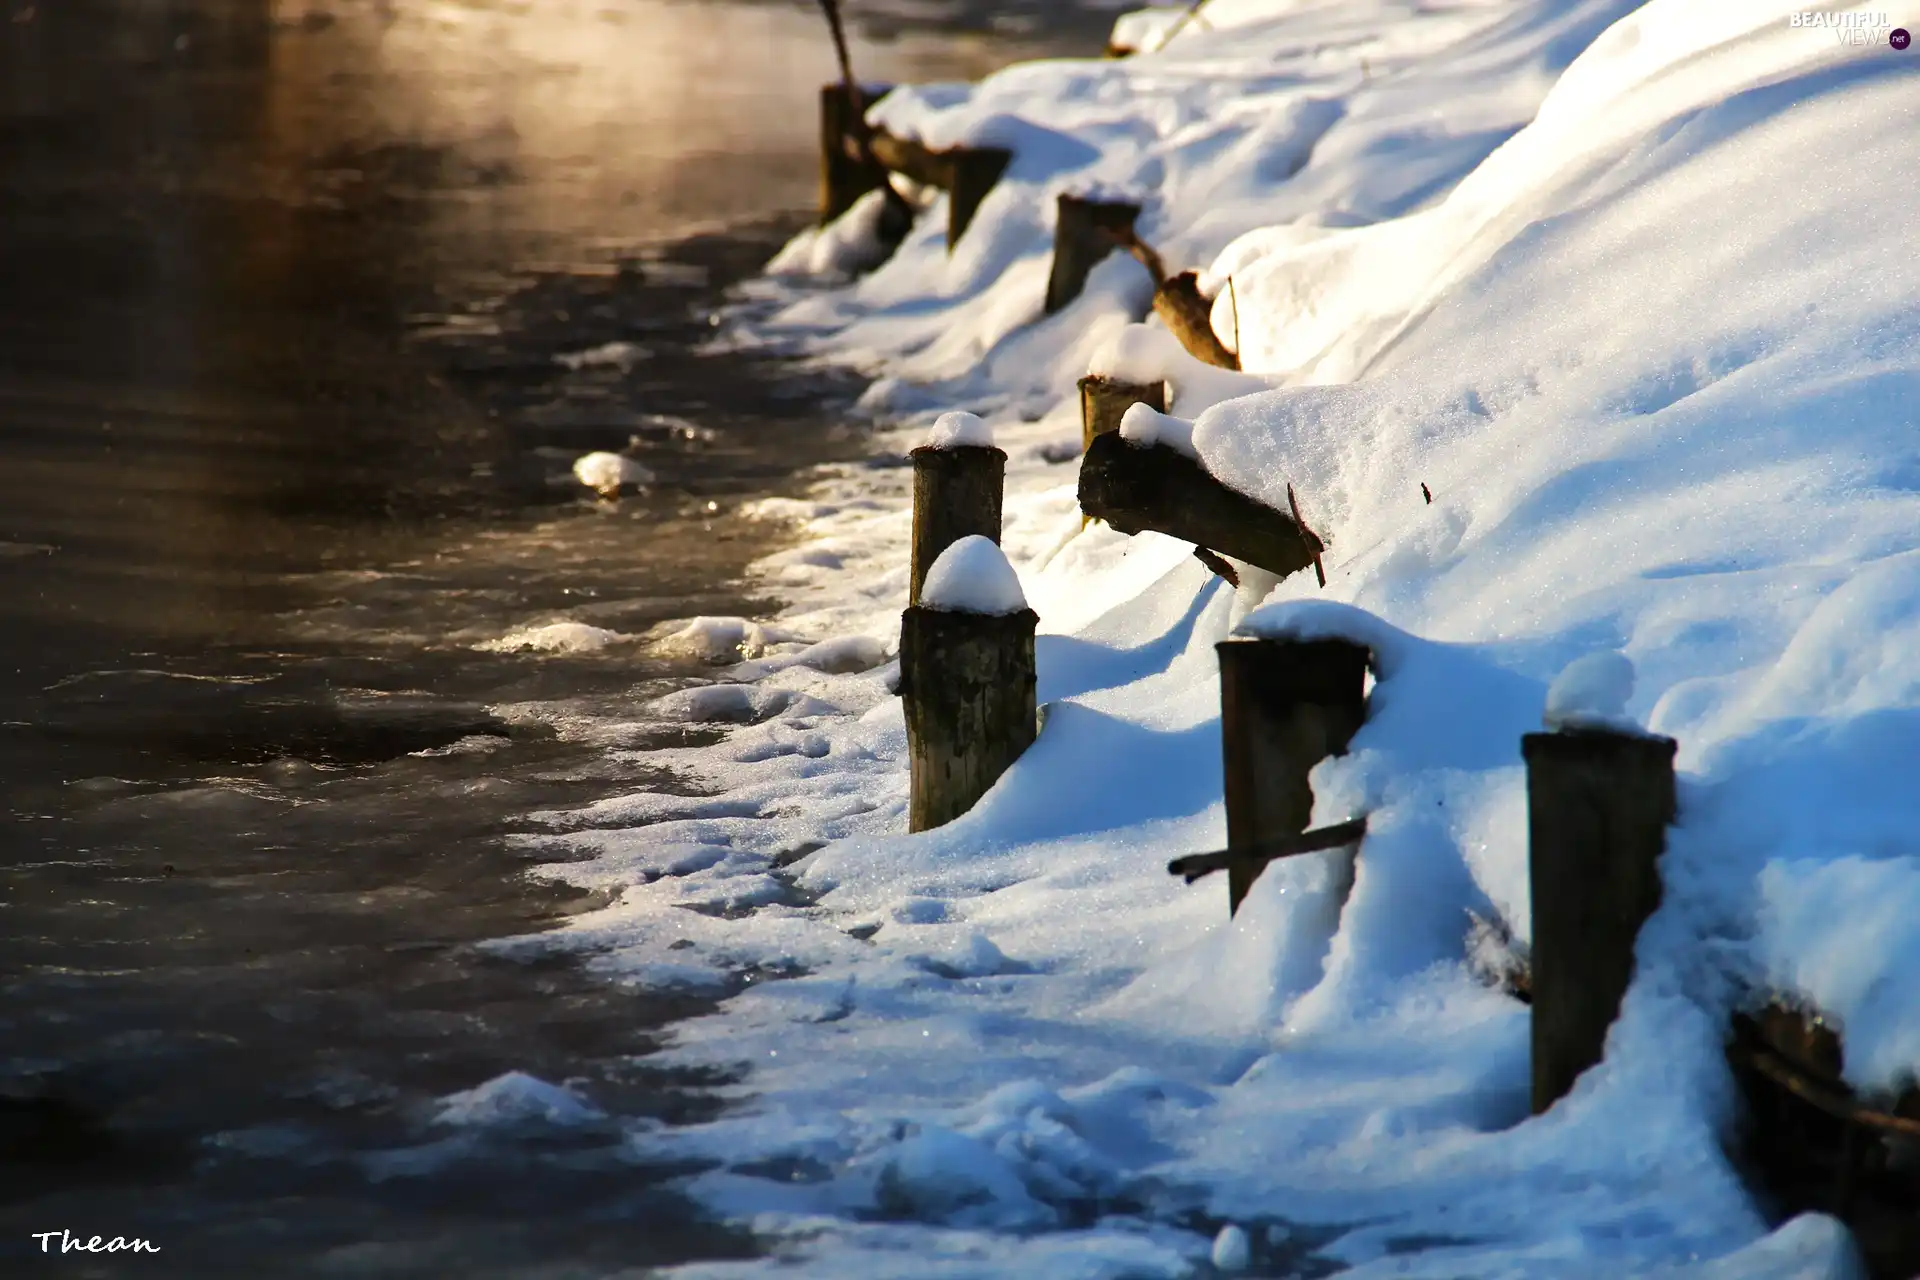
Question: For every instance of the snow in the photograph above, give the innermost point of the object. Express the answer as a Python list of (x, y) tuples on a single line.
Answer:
[(1591, 693), (553, 637), (516, 1098), (1146, 426), (1585, 334), (607, 473), (1232, 1251), (960, 431), (972, 576), (616, 355)]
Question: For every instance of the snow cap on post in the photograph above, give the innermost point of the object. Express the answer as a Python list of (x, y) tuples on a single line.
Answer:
[(1146, 426), (973, 576), (1592, 693), (960, 430)]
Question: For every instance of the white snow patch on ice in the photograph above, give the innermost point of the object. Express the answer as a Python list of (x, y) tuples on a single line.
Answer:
[(554, 637)]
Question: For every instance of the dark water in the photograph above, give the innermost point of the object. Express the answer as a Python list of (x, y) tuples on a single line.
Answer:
[(284, 433)]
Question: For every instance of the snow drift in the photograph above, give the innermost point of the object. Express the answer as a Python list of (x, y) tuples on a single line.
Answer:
[(1587, 335)]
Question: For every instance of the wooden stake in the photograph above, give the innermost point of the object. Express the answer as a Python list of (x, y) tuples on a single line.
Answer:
[(967, 681), (1285, 705), (1084, 233), (975, 172), (847, 171), (956, 493), (1598, 806), (1104, 401)]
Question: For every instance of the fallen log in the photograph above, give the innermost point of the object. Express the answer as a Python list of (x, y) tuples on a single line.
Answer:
[(1159, 488)]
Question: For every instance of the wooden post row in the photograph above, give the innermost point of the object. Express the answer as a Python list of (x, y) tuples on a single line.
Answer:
[(1285, 705), (1598, 806)]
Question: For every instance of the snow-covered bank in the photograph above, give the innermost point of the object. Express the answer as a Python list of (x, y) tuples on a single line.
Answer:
[(1629, 292)]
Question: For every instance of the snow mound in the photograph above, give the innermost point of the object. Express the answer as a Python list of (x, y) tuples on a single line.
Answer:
[(718, 639), (516, 1098), (608, 473), (554, 637), (1232, 1251), (1144, 425), (1591, 693), (617, 355), (973, 576), (960, 431)]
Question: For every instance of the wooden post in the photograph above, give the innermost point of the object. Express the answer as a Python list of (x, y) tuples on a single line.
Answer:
[(975, 171), (956, 492), (967, 681), (1084, 232), (846, 171), (1598, 806), (1104, 401), (1285, 705)]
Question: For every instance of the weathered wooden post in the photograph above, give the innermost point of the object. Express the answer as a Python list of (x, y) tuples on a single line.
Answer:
[(1285, 705), (958, 479), (1104, 401), (967, 680), (1598, 805), (1084, 232), (847, 171), (975, 172)]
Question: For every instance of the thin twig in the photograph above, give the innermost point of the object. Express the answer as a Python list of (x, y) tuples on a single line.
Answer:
[(832, 10), (1196, 865), (1313, 539), (1192, 13), (1234, 299)]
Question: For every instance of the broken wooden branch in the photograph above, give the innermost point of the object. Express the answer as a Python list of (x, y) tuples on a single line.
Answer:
[(1197, 865), (1220, 565), (1135, 488), (1189, 317)]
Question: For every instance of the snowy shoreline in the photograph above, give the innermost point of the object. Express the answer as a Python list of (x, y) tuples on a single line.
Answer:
[(1617, 288)]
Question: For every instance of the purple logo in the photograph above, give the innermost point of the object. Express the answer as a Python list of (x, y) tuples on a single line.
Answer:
[(1899, 38)]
